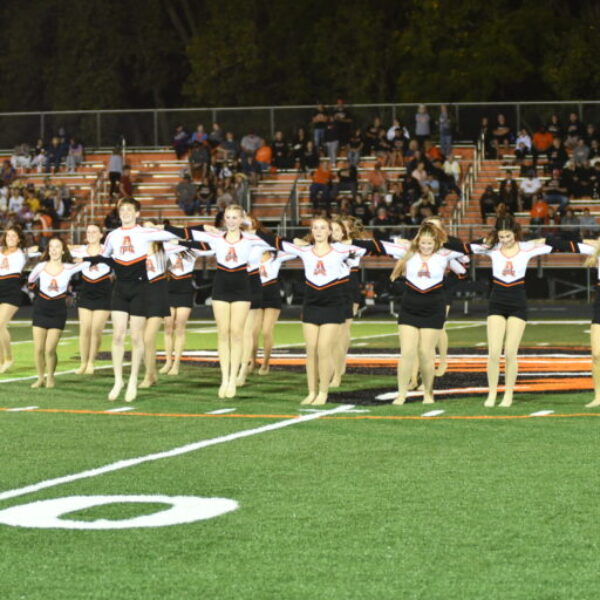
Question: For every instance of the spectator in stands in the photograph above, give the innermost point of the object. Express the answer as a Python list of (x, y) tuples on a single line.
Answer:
[(425, 206), (125, 183), (355, 146), (16, 200), (422, 125), (38, 162), (419, 173), (264, 156), (398, 145), (552, 222), (298, 148), (224, 197), (320, 119), (46, 225), (20, 158), (501, 133), (557, 155), (538, 215), (594, 151), (570, 180), (228, 150), (452, 168), (509, 193), (54, 155), (180, 142), (523, 138), (74, 155), (445, 128), (346, 181), (332, 141), (250, 168), (581, 152), (521, 153), (541, 143), (595, 180), (488, 202), (115, 170), (199, 136), (416, 158), (206, 196), (320, 188), (485, 136), (279, 150), (570, 225), (528, 189), (554, 126), (376, 180), (585, 174), (250, 143), (433, 152), (310, 158), (382, 224), (575, 130), (555, 193), (343, 121), (199, 160), (361, 209), (8, 173), (588, 224), (216, 135), (382, 148)]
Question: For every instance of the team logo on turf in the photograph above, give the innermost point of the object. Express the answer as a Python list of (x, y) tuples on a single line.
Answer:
[(126, 245), (320, 268), (231, 255)]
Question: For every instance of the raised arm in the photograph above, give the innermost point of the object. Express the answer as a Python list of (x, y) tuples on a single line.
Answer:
[(35, 273)]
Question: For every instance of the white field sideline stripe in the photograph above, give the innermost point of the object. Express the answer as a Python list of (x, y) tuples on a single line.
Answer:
[(69, 372), (132, 462), (62, 339)]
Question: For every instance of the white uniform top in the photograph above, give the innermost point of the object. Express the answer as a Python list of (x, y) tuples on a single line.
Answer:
[(52, 287), (589, 250), (156, 266), (269, 270), (91, 273), (425, 274), (182, 260), (230, 256), (12, 263), (510, 271), (255, 258), (128, 247), (353, 259)]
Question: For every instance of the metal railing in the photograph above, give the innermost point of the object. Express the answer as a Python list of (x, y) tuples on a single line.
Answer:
[(155, 127), (291, 211)]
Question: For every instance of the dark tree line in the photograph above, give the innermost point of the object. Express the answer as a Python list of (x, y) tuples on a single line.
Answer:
[(95, 54)]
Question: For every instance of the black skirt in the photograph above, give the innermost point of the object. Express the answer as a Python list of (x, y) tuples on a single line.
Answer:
[(181, 292), (596, 316), (255, 290), (325, 305), (231, 286), (95, 296), (49, 314), (423, 310), (271, 295), (10, 291), (508, 301), (157, 298), (356, 293)]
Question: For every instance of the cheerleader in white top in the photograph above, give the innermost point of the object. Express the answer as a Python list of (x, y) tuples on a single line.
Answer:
[(507, 315), (13, 257), (231, 293), (422, 308), (52, 277), (181, 265), (268, 315), (326, 274), (128, 247), (93, 299)]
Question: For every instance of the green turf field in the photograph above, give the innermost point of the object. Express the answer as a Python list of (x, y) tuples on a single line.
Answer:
[(354, 501)]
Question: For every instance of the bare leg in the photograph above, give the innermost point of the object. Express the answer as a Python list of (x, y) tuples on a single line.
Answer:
[(137, 353), (270, 317), (85, 334), (409, 342), (443, 349), (169, 331), (222, 313), (595, 339), (258, 320), (151, 328), (247, 347), (428, 338), (340, 350), (182, 314), (7, 312), (239, 317), (119, 323), (39, 347), (328, 340), (52, 339), (99, 318), (311, 338), (496, 330), (514, 332)]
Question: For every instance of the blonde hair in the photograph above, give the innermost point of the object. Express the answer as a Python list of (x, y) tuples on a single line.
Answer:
[(592, 259), (427, 229)]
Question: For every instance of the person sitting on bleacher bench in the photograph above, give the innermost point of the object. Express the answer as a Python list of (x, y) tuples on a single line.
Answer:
[(529, 187), (541, 143), (555, 192)]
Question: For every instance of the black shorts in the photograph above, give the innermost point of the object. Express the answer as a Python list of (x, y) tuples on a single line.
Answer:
[(356, 293), (130, 297), (507, 310), (321, 315), (596, 315), (508, 302), (231, 286), (95, 296), (157, 299), (49, 314), (255, 290), (10, 291), (181, 292), (423, 311), (271, 295), (348, 301)]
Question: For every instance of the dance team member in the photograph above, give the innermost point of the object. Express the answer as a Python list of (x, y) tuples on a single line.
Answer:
[(13, 257), (93, 299), (324, 309), (231, 294), (270, 310), (507, 314), (127, 247), (181, 265), (52, 276)]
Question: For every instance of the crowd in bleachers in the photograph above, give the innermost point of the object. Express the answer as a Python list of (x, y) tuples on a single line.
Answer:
[(554, 165)]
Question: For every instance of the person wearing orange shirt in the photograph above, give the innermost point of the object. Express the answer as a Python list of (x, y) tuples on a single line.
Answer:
[(320, 188), (541, 143)]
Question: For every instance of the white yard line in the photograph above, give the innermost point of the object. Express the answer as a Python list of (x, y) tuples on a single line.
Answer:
[(132, 462), (541, 413), (221, 411), (21, 408), (120, 409), (69, 372)]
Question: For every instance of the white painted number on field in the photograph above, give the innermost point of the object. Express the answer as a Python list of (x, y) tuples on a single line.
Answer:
[(46, 514)]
